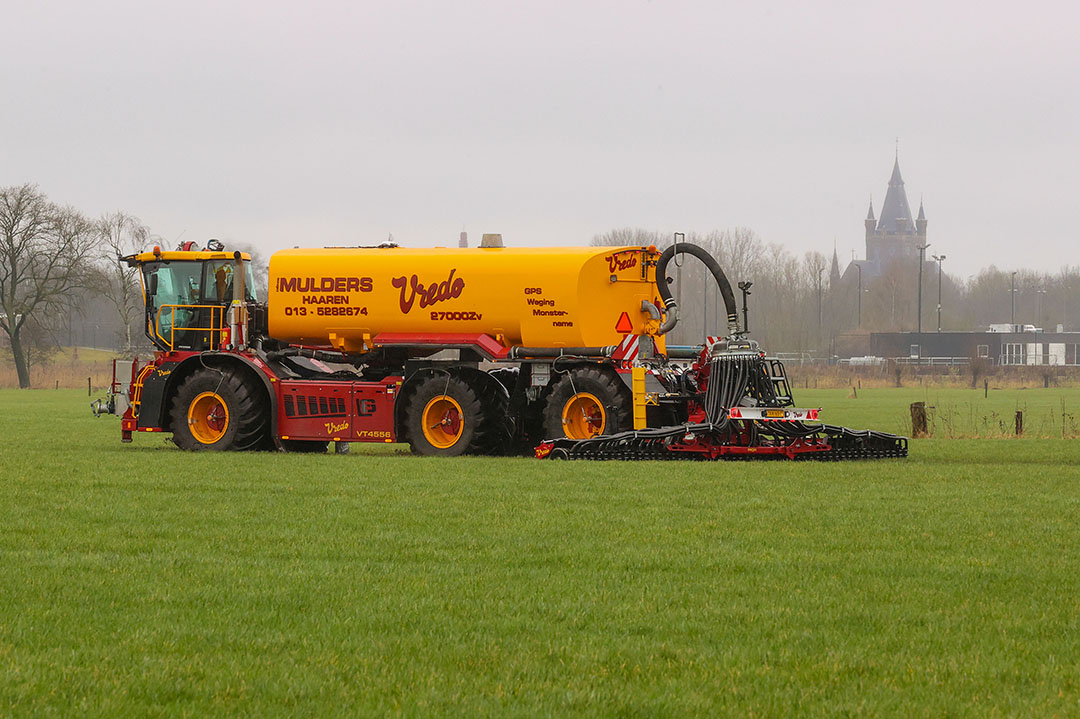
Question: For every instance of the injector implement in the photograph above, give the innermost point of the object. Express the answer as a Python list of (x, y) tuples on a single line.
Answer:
[(557, 352)]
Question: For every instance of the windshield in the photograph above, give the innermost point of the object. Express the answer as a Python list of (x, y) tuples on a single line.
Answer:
[(172, 283), (192, 282)]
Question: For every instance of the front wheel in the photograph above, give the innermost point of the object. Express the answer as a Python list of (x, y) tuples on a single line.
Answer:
[(220, 410)]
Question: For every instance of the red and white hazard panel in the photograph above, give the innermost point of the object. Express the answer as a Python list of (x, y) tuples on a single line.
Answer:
[(774, 414), (627, 349)]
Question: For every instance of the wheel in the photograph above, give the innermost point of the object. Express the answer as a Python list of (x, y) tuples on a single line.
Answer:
[(220, 410), (497, 429), (304, 446), (586, 402), (507, 377), (445, 415)]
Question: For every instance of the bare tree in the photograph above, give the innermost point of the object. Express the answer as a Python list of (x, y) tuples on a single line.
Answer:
[(631, 236), (39, 339), (815, 265), (740, 251), (122, 235), (44, 254)]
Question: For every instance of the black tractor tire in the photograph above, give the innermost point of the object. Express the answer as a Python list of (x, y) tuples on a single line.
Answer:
[(304, 446), (456, 421), (507, 377), (610, 391), (497, 429), (246, 405)]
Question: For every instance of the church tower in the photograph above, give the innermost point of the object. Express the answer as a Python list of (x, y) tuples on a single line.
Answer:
[(894, 236)]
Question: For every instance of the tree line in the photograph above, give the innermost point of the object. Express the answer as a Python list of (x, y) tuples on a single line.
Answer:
[(57, 266), (808, 304)]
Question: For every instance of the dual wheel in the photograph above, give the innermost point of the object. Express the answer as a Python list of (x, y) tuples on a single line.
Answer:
[(465, 411)]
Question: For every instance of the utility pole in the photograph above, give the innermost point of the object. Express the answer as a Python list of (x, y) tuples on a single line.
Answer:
[(940, 259), (922, 260)]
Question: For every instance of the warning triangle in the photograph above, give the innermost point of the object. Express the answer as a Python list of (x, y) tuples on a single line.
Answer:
[(624, 325)]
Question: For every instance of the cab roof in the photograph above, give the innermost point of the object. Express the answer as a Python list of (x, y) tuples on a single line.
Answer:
[(194, 256)]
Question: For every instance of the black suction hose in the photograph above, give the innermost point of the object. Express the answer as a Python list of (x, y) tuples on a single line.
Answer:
[(672, 306)]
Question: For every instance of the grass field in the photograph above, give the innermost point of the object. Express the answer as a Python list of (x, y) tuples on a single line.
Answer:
[(953, 412), (141, 581)]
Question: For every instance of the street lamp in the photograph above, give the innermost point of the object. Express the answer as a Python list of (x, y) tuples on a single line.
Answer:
[(922, 260), (859, 268), (940, 259), (1038, 305), (1012, 302)]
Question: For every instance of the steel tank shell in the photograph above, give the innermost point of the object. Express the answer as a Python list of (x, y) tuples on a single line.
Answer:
[(532, 296)]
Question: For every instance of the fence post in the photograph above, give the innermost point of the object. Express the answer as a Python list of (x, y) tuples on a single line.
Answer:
[(1019, 422), (89, 391), (918, 419)]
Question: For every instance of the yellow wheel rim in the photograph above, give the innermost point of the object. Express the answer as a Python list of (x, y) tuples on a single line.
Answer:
[(443, 425), (583, 416), (208, 417)]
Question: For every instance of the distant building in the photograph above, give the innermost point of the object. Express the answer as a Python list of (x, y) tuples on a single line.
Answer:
[(1018, 348), (895, 236)]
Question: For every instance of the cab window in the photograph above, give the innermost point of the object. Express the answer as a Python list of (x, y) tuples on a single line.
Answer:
[(218, 287), (172, 283)]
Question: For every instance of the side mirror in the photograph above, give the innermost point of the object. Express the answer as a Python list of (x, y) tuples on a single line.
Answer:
[(153, 285)]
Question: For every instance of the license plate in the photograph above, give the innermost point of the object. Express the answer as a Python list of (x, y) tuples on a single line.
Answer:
[(774, 413)]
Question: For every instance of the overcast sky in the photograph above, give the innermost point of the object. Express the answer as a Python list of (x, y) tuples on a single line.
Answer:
[(281, 124)]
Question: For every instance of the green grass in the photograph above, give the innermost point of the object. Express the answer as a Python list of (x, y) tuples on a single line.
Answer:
[(141, 581)]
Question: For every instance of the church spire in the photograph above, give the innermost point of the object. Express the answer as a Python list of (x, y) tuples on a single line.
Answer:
[(870, 212), (895, 213), (920, 221)]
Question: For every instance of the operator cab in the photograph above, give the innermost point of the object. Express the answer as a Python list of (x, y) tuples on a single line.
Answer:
[(188, 293)]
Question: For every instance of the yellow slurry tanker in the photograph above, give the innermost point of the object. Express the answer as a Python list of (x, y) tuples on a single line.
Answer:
[(559, 352), (537, 297)]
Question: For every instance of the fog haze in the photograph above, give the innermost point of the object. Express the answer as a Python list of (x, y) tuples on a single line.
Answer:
[(280, 124)]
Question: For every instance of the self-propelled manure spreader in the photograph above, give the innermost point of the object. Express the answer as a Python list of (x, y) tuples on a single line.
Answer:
[(559, 352)]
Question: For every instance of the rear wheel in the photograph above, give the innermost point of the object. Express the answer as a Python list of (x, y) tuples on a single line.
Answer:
[(220, 410), (587, 402), (497, 429)]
